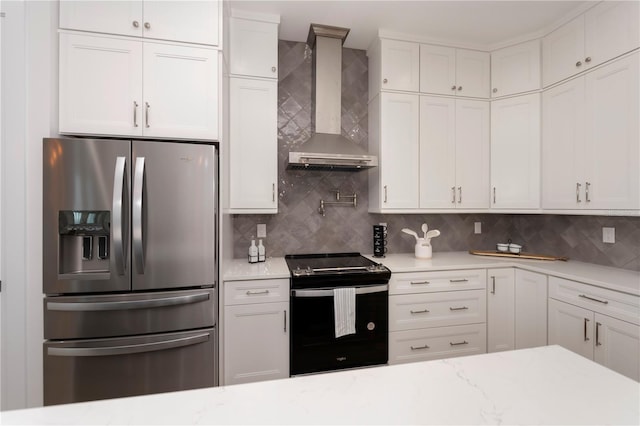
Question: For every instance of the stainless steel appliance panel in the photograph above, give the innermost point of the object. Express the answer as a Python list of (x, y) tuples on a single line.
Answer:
[(173, 215), (93, 369), (86, 178), (76, 317)]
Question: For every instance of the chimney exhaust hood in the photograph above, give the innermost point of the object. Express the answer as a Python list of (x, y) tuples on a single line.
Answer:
[(327, 149)]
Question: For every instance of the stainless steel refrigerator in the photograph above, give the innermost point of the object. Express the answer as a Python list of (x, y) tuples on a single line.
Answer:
[(129, 267)]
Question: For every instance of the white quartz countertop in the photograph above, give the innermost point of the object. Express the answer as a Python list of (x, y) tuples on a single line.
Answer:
[(603, 276), (546, 385)]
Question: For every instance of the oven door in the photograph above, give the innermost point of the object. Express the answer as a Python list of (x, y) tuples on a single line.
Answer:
[(314, 346)]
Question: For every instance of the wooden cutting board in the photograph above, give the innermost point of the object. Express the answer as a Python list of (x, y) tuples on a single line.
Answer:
[(522, 255)]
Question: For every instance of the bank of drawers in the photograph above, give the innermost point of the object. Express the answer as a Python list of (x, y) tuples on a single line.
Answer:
[(436, 315)]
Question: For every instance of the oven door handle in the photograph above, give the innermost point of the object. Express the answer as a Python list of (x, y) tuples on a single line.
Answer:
[(329, 292)]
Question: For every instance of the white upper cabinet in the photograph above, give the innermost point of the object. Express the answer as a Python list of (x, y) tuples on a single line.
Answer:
[(254, 47), (515, 69), (602, 33), (185, 21), (515, 152), (450, 71), (399, 65)]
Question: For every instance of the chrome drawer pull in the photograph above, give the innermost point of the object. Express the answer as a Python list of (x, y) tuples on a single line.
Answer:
[(464, 342), (462, 308), (598, 334), (464, 280), (415, 348), (419, 282), (251, 293), (420, 312), (584, 296), (586, 339)]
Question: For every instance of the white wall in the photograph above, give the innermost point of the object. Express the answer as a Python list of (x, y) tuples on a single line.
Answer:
[(29, 100)]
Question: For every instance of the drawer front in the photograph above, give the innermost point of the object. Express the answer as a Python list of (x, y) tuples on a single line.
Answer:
[(413, 311), (256, 291), (436, 343), (429, 282), (622, 306)]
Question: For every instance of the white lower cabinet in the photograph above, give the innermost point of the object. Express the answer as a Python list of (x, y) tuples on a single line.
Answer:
[(530, 309), (256, 331), (586, 330), (500, 309), (436, 315)]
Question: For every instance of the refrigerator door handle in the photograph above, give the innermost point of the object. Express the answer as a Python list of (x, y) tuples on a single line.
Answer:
[(118, 213), (129, 349), (126, 305), (138, 200)]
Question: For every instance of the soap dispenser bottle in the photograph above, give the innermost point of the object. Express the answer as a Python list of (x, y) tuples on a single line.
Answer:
[(261, 252), (253, 252)]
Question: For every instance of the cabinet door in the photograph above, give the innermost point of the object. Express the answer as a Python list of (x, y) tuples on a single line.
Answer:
[(515, 152), (563, 145), (571, 327), (400, 65), (500, 309), (515, 69), (180, 92), (473, 69), (399, 118), (472, 154), (611, 29), (256, 342), (563, 52), (437, 152), (187, 21), (253, 145), (531, 309), (617, 346), (100, 85), (437, 69), (612, 176), (254, 48), (114, 17)]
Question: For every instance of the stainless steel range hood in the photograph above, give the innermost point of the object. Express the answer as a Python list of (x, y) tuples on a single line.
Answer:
[(327, 148)]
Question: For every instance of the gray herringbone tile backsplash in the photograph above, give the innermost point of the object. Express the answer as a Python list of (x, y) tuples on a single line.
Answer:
[(299, 228)]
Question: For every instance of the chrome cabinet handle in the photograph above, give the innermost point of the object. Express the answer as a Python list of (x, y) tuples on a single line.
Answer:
[(459, 195), (385, 193), (147, 25), (461, 308), (493, 285), (463, 280), (273, 69), (385, 81), (453, 195), (586, 320), (273, 192), (146, 113), (584, 296), (138, 205), (424, 311), (459, 88), (129, 349), (415, 348), (118, 221), (464, 342), (135, 114), (578, 200), (578, 64), (251, 293), (586, 192), (136, 24), (495, 90), (419, 282), (285, 320), (453, 87), (587, 59), (494, 195), (126, 304), (598, 334)]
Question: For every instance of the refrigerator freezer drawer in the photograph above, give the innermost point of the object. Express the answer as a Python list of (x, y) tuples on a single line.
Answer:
[(87, 370), (79, 317)]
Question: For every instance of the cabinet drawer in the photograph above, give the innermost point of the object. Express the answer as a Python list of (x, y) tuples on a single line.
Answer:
[(412, 311), (622, 306), (256, 291), (428, 282), (435, 343)]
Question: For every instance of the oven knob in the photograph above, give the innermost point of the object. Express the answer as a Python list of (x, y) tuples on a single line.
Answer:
[(371, 326)]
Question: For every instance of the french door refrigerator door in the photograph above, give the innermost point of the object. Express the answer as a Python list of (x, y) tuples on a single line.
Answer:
[(86, 215), (173, 215)]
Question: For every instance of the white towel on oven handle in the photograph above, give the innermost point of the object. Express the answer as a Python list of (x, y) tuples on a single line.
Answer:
[(344, 307)]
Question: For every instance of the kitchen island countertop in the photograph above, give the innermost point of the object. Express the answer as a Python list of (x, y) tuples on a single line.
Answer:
[(546, 385)]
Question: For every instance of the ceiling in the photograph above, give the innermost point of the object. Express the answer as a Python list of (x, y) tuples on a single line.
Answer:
[(466, 23)]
